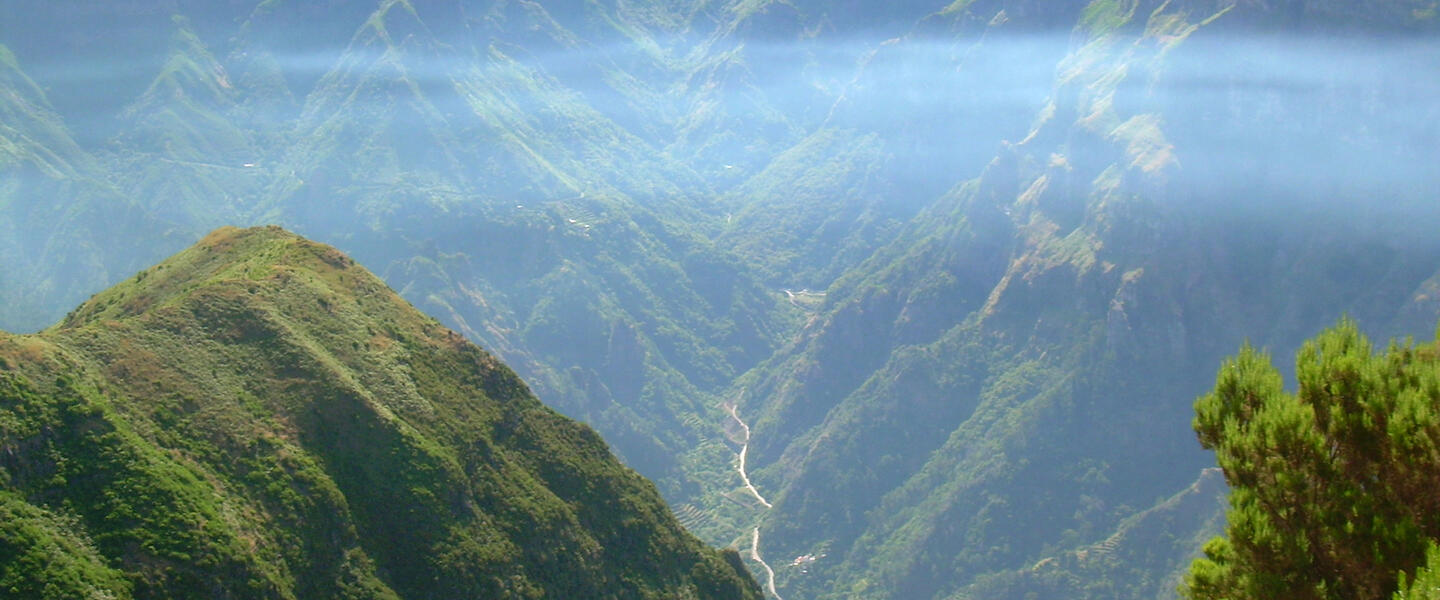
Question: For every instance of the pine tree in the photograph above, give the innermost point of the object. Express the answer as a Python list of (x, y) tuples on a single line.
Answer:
[(1333, 488), (1426, 583)]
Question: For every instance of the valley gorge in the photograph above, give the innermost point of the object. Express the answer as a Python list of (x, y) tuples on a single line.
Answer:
[(963, 268)]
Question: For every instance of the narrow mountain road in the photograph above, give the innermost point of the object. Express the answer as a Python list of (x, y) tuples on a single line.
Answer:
[(794, 298), (745, 449), (769, 572), (192, 163), (733, 409)]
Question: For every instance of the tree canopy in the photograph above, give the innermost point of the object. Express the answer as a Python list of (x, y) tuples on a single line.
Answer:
[(1333, 487)]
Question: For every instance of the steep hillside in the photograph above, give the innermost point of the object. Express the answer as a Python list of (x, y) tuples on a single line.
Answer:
[(469, 153), (906, 299), (260, 417), (65, 232), (1007, 383)]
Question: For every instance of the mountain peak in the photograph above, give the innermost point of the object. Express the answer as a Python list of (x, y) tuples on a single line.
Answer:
[(255, 259), (287, 426)]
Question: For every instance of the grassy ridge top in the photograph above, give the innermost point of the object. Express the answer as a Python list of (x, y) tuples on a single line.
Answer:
[(260, 417)]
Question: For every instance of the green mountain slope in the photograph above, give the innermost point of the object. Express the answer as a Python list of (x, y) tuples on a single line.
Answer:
[(186, 146), (493, 194), (1008, 380), (260, 417), (947, 274), (64, 229), (490, 183)]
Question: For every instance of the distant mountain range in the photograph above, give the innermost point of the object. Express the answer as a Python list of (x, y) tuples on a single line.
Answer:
[(948, 275)]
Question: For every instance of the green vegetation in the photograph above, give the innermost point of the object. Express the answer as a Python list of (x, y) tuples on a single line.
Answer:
[(1332, 487), (818, 201), (962, 290), (258, 417), (1105, 16), (1425, 585), (49, 558)]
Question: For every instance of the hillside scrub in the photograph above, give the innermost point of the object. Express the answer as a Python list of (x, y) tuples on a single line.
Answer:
[(260, 417)]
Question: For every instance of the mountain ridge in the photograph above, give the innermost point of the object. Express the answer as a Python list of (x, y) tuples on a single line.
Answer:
[(960, 266), (268, 386)]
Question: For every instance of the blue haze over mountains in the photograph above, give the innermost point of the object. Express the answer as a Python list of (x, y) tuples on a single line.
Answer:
[(1037, 227)]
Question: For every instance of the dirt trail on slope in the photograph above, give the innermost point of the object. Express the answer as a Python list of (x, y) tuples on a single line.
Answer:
[(745, 449), (733, 409), (755, 556)]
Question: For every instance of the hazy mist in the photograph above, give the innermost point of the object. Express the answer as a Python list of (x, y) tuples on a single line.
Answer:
[(1309, 116)]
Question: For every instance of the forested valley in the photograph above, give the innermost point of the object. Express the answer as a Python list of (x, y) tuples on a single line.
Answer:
[(907, 300)]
